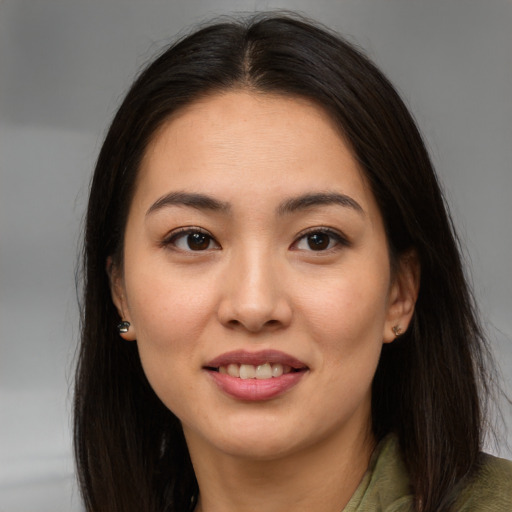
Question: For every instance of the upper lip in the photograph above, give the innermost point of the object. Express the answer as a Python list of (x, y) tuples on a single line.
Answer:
[(255, 358)]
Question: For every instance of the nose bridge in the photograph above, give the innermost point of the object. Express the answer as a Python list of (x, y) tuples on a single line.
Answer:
[(256, 284), (253, 297)]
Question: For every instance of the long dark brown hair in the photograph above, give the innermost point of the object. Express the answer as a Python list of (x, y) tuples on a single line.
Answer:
[(430, 385)]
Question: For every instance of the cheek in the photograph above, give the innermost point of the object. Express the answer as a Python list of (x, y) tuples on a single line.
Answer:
[(167, 331), (169, 316), (347, 323), (167, 307), (347, 309)]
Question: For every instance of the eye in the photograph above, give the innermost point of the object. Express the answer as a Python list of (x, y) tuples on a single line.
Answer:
[(191, 239), (319, 240)]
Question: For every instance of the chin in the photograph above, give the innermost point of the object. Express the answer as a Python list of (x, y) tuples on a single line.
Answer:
[(262, 438), (259, 437), (259, 447)]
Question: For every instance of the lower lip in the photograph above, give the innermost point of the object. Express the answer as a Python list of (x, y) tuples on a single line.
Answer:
[(255, 390)]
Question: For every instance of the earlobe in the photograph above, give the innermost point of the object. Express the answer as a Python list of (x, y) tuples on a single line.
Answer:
[(403, 295), (117, 291), (124, 330)]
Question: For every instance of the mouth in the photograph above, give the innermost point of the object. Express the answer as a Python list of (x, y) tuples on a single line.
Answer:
[(265, 364), (256, 376), (249, 371)]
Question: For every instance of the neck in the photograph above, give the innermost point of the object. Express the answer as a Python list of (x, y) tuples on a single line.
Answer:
[(320, 477)]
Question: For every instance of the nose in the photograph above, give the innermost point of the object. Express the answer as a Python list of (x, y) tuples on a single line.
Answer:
[(253, 295)]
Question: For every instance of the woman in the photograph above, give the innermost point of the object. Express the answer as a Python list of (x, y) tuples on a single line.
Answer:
[(266, 234)]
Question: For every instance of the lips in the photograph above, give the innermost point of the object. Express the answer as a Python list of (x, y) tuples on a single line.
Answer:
[(255, 358), (254, 376)]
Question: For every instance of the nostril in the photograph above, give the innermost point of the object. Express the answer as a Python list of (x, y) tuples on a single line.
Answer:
[(254, 326), (254, 315)]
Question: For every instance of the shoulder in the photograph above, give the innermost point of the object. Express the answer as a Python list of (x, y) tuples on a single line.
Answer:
[(489, 489)]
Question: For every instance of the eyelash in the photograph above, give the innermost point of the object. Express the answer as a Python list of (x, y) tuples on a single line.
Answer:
[(339, 239), (174, 236), (170, 241)]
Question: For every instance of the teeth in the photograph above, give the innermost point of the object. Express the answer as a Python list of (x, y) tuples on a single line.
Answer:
[(233, 370), (264, 371), (277, 370), (249, 371)]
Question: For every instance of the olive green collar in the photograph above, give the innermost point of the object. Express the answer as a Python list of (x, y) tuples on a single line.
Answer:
[(385, 487)]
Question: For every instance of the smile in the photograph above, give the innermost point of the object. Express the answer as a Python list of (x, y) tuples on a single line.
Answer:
[(250, 371), (255, 376)]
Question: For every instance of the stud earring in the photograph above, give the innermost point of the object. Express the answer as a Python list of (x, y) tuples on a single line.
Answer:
[(397, 330), (123, 327)]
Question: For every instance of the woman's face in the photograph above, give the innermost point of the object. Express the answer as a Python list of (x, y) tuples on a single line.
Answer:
[(256, 276)]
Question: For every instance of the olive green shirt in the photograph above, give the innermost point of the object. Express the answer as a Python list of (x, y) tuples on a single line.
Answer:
[(385, 487)]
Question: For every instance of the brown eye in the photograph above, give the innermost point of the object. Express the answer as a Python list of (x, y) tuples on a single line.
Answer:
[(321, 239), (198, 241), (191, 240), (318, 241)]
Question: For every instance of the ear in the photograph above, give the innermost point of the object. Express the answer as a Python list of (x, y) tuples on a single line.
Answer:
[(117, 290), (402, 296)]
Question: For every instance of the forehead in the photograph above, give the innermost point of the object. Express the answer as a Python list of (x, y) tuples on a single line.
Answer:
[(249, 143)]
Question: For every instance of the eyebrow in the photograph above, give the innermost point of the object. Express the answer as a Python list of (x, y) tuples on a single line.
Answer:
[(318, 199), (294, 204), (192, 200)]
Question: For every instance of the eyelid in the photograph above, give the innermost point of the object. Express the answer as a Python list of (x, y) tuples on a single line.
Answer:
[(337, 235), (170, 238)]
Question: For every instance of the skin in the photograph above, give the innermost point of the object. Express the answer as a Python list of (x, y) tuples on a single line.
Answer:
[(257, 284)]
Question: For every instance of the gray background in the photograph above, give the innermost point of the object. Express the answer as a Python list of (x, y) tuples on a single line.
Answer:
[(64, 67)]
